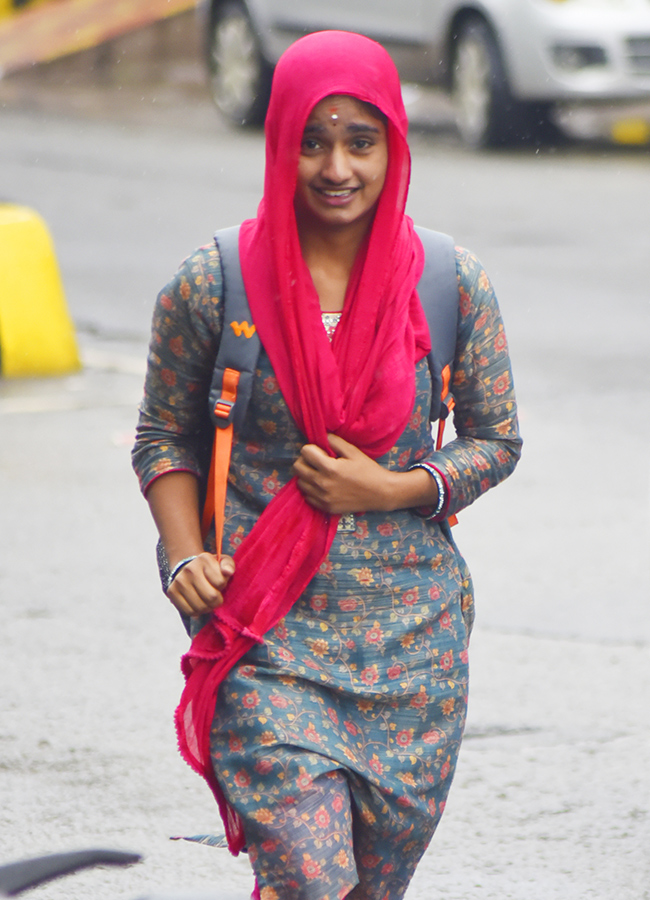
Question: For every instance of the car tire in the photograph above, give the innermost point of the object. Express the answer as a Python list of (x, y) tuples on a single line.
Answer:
[(486, 114), (240, 76)]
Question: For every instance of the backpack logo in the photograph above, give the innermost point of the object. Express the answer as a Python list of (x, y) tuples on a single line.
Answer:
[(239, 327)]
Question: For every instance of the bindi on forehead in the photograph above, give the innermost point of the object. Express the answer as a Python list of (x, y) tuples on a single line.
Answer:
[(333, 113)]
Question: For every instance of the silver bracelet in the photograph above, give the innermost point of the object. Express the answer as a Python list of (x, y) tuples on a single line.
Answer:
[(442, 490), (179, 565)]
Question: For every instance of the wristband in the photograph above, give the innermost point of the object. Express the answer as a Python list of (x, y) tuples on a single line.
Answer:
[(432, 512), (177, 568)]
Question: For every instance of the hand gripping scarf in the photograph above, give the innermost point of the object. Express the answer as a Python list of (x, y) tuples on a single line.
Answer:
[(361, 386)]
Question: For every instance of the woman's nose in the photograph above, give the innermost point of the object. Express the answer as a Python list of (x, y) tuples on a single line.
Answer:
[(336, 166)]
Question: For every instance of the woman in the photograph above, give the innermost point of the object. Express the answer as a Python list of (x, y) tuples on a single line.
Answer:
[(337, 652)]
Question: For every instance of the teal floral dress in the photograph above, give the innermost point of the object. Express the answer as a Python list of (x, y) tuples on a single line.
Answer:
[(337, 738)]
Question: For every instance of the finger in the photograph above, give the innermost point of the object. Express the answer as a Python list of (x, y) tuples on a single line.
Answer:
[(217, 572), (342, 447), (313, 456)]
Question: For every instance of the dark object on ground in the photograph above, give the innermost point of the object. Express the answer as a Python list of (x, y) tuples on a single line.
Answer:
[(20, 876)]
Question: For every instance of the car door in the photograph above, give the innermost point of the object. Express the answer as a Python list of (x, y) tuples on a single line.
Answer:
[(384, 20)]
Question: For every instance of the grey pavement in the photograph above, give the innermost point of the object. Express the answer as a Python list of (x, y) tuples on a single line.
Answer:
[(552, 794)]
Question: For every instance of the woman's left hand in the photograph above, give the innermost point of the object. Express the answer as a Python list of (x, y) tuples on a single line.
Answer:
[(352, 482)]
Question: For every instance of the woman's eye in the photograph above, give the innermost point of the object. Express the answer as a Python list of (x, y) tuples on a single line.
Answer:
[(309, 144), (362, 144)]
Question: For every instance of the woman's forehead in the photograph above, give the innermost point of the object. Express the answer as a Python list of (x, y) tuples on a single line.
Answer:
[(333, 106)]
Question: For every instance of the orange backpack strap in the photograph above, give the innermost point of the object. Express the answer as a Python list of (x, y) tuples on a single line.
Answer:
[(215, 498)]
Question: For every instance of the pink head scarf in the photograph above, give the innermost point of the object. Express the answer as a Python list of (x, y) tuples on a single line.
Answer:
[(362, 386)]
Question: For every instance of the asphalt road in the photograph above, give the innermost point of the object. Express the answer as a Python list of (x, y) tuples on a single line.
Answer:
[(551, 799)]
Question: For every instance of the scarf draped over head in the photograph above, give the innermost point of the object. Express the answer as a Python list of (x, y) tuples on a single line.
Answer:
[(361, 386)]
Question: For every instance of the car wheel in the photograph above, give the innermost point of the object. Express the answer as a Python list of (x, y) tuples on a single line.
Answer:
[(240, 76), (485, 110)]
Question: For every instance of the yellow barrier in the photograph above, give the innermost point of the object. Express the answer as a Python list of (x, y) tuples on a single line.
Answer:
[(36, 333)]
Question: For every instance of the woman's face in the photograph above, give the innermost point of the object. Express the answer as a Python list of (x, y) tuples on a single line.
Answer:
[(342, 166)]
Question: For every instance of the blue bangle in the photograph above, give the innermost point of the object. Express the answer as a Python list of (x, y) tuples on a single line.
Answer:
[(177, 568), (442, 490)]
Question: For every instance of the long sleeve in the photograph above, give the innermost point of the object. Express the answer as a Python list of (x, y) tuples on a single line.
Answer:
[(173, 431), (487, 445)]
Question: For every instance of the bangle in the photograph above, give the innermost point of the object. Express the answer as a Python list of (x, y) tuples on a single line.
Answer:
[(179, 565), (433, 512)]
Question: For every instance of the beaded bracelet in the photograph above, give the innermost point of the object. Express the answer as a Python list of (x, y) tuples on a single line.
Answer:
[(442, 490), (179, 565)]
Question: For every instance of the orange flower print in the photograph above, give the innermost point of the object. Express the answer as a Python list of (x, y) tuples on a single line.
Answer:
[(269, 893), (385, 529), (337, 803), (267, 738), (310, 868), (186, 290), (286, 655), (433, 736), (311, 734), (242, 778), (374, 635), (404, 738), (281, 631), (235, 743), (325, 567), (447, 706), (411, 596), (502, 384), (394, 671), (500, 342), (445, 620), (333, 715), (445, 768), (342, 859), (369, 861), (434, 592), (271, 485), (364, 576), (370, 675), (318, 602), (421, 699), (176, 345), (235, 539), (269, 426), (304, 780), (376, 765), (447, 660), (322, 818), (270, 385), (411, 558), (166, 302), (320, 647), (416, 420), (348, 604), (465, 303), (168, 377), (250, 700), (264, 816)]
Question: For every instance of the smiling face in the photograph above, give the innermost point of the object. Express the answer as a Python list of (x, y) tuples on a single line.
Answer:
[(342, 166)]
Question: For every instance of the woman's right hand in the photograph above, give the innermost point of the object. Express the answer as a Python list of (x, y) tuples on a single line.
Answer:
[(198, 587)]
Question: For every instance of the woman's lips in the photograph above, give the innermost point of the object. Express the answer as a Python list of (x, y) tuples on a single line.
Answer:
[(336, 196)]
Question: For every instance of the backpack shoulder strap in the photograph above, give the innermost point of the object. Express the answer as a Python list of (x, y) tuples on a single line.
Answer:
[(239, 347), (438, 292)]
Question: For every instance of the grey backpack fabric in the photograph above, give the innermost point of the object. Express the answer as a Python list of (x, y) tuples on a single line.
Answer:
[(239, 349)]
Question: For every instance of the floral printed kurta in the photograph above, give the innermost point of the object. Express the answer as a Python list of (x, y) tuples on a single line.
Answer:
[(336, 740)]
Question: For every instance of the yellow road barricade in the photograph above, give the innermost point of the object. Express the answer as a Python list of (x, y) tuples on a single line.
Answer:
[(36, 332)]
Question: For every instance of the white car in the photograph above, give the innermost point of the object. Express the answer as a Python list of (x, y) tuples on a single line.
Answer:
[(506, 63)]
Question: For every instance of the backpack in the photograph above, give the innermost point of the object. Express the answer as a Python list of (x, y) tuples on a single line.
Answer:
[(239, 349), (240, 345)]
